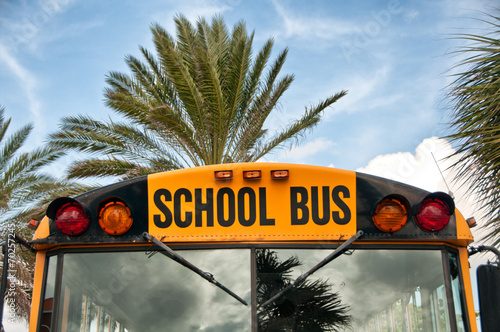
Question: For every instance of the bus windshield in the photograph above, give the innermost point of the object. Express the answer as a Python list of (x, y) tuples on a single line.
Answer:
[(366, 290), (137, 291), (363, 290)]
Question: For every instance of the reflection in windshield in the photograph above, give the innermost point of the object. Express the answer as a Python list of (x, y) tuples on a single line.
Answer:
[(127, 291), (372, 290), (168, 252), (368, 290), (310, 306)]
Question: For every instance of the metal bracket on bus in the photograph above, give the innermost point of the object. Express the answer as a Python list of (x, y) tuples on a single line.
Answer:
[(24, 243), (475, 250), (339, 251), (167, 251)]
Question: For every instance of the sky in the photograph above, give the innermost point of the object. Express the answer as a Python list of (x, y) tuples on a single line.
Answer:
[(395, 58)]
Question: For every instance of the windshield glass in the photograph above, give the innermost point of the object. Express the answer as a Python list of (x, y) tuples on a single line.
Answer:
[(365, 290), (362, 290), (131, 291)]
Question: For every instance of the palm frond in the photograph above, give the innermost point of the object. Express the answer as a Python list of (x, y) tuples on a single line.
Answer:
[(13, 143), (100, 168), (309, 306), (200, 99), (475, 96), (25, 192), (20, 168), (310, 119)]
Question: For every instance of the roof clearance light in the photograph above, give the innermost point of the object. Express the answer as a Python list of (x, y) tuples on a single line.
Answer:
[(433, 215), (471, 222), (252, 175), (33, 224), (71, 219), (223, 175), (280, 174), (390, 215), (115, 218)]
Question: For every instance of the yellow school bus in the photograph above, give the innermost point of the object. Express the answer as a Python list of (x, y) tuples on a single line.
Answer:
[(253, 247)]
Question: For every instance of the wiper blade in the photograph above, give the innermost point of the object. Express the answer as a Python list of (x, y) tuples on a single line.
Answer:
[(339, 251), (181, 260)]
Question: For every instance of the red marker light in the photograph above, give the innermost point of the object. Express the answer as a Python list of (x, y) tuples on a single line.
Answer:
[(433, 215), (33, 224), (71, 219)]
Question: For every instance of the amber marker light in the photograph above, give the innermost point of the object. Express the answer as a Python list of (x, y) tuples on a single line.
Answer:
[(471, 222), (390, 215), (252, 175), (280, 174), (115, 218), (223, 175)]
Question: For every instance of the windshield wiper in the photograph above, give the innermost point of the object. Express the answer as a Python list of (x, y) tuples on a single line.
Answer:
[(339, 251), (181, 260)]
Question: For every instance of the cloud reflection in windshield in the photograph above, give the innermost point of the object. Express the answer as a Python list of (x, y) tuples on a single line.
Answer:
[(157, 293)]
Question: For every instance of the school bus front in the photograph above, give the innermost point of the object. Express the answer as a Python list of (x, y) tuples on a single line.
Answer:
[(253, 247)]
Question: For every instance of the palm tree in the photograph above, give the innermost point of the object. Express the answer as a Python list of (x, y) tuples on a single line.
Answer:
[(475, 96), (310, 306), (203, 99), (24, 194)]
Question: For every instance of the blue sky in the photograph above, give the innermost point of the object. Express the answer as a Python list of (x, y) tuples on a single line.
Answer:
[(392, 56)]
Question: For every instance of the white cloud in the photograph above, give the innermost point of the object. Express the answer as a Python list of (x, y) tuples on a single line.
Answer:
[(73, 30), (411, 15), (27, 23), (422, 170), (27, 82), (417, 169), (364, 92), (300, 154), (295, 24), (310, 149)]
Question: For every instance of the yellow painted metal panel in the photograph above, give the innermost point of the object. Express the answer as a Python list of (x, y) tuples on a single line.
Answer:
[(37, 290), (314, 203), (464, 261), (463, 229)]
